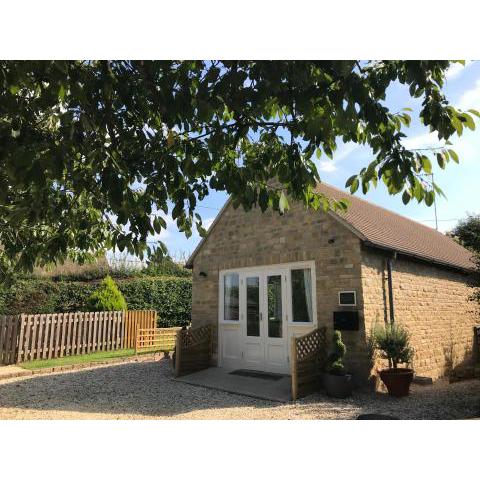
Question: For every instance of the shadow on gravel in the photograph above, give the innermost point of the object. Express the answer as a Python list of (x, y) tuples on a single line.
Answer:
[(147, 389)]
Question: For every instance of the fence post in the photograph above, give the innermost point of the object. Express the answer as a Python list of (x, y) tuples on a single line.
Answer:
[(136, 341), (293, 362), (21, 338), (178, 352)]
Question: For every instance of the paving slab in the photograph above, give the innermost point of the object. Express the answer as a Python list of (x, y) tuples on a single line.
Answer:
[(217, 378)]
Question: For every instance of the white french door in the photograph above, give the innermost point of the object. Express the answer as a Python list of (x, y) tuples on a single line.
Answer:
[(263, 319)]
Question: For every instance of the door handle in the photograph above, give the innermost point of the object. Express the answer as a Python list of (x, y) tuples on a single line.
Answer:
[(261, 317)]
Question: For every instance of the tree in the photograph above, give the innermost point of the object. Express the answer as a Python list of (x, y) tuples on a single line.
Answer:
[(93, 154), (467, 233)]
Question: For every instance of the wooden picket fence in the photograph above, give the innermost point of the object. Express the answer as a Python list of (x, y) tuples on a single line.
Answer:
[(156, 339), (43, 336), (138, 319), (8, 338)]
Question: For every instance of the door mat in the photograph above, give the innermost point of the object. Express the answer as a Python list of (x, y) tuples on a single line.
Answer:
[(255, 374)]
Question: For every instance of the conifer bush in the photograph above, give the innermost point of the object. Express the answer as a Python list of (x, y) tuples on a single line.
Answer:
[(335, 359), (107, 297)]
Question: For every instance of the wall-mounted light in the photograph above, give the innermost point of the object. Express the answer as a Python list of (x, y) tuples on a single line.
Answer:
[(202, 274)]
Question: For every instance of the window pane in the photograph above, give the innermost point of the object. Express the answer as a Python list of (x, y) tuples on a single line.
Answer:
[(274, 292), (302, 295), (253, 307), (230, 297)]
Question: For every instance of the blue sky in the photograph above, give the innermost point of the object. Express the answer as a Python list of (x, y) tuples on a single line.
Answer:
[(459, 182)]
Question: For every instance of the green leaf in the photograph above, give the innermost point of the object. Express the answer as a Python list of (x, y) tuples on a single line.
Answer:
[(426, 164), (469, 121), (354, 186), (475, 112), (350, 181), (453, 155), (283, 203), (429, 197), (405, 197), (457, 125), (441, 160)]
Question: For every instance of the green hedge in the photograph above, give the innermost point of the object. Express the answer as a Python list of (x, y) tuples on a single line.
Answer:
[(171, 297)]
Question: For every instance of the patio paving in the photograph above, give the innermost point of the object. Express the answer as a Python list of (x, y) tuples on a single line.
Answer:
[(276, 390)]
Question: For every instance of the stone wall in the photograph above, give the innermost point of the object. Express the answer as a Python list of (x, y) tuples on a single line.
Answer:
[(246, 239), (432, 302)]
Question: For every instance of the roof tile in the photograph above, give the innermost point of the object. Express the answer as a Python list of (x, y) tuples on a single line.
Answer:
[(386, 229)]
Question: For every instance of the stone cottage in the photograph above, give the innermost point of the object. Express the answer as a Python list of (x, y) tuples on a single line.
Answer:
[(262, 278)]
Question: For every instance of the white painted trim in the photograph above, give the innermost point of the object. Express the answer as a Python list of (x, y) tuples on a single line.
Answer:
[(257, 269), (354, 304), (289, 326), (221, 302)]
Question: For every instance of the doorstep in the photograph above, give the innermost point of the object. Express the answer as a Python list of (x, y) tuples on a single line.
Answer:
[(217, 378)]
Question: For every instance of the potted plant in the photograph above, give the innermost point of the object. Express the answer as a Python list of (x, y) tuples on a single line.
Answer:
[(393, 343), (337, 382)]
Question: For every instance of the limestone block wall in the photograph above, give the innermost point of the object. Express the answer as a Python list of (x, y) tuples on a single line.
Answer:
[(432, 302), (246, 239)]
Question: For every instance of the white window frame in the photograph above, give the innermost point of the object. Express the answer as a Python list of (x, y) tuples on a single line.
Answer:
[(222, 297), (260, 269), (302, 266), (354, 304)]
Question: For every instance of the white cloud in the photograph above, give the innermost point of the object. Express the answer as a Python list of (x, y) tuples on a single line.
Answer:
[(327, 166), (456, 69), (424, 140), (343, 151), (470, 98)]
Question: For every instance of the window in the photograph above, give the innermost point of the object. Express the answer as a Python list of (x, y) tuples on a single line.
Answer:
[(253, 306), (347, 298), (230, 297), (301, 280)]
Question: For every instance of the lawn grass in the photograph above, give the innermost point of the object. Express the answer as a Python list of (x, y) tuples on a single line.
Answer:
[(78, 359)]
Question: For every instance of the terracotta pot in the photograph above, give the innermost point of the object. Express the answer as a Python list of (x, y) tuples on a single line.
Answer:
[(339, 386), (397, 380)]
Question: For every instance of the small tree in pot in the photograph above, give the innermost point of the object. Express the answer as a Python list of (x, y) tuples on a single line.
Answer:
[(393, 343), (337, 382)]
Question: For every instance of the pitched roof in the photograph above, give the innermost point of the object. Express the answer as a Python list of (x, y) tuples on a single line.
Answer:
[(382, 228), (385, 229)]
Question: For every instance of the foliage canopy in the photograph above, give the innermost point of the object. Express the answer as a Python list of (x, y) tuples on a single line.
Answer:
[(94, 154), (393, 343)]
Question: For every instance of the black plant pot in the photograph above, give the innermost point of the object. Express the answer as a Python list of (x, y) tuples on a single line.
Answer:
[(338, 386)]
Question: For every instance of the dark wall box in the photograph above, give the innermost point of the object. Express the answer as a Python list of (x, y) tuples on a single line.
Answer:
[(345, 320)]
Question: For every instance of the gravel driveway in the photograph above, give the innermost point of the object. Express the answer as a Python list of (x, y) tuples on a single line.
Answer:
[(146, 390)]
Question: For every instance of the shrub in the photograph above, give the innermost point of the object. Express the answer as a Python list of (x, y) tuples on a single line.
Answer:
[(171, 297), (335, 364), (393, 343), (107, 297)]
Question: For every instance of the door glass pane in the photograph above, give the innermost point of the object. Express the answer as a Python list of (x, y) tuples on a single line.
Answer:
[(274, 300), (302, 295), (230, 299), (253, 307)]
